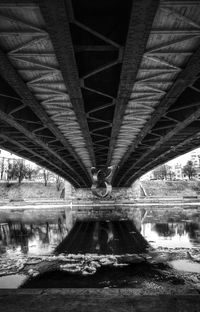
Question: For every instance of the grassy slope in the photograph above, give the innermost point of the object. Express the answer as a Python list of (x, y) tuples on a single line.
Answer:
[(37, 190), (28, 190), (171, 188)]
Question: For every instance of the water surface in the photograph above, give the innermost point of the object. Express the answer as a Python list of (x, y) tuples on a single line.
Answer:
[(42, 233)]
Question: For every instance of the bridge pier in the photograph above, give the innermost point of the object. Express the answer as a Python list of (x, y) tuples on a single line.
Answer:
[(103, 225), (84, 205)]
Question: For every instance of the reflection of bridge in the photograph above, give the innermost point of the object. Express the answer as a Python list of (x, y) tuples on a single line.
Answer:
[(97, 84)]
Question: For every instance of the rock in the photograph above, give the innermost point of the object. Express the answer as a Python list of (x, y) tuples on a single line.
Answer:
[(30, 272), (193, 258), (131, 259)]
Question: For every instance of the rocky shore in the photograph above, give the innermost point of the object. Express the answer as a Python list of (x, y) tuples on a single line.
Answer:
[(152, 272)]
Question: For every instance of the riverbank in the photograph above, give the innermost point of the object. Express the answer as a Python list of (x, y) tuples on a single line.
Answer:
[(12, 191), (102, 210), (149, 273), (29, 258), (37, 191), (162, 188)]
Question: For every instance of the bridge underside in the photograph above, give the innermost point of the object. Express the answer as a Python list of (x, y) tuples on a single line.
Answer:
[(99, 83)]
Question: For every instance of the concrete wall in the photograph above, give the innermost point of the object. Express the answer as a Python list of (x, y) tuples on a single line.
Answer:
[(117, 194), (86, 206), (106, 213)]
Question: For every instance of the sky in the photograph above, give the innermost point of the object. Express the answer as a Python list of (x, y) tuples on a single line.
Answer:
[(6, 154), (183, 159)]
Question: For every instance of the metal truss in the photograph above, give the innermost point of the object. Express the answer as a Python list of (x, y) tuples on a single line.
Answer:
[(28, 64), (99, 84), (163, 77)]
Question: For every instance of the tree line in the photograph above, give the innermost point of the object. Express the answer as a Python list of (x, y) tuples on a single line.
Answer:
[(164, 172), (19, 170)]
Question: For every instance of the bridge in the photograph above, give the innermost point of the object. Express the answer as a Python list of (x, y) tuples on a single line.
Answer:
[(99, 84)]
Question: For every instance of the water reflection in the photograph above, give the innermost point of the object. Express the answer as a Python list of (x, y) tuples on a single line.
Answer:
[(103, 237), (29, 238), (34, 233), (172, 234), (39, 233), (185, 265)]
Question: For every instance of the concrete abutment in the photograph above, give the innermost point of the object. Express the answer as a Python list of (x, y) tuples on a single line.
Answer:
[(84, 205)]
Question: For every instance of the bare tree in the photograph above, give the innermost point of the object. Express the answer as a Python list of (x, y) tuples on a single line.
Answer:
[(2, 167), (17, 170), (189, 170), (10, 172), (46, 175), (20, 170), (163, 172), (30, 172), (160, 173), (59, 183), (170, 173)]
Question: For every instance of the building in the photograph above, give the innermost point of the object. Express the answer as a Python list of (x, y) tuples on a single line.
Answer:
[(195, 158), (178, 172)]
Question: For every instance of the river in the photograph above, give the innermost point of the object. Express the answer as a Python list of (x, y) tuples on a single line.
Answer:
[(43, 249)]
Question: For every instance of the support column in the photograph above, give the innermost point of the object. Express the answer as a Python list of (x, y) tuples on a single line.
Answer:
[(121, 204)]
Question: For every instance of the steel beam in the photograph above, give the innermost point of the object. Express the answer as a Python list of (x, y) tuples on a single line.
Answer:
[(186, 77), (180, 126), (23, 147), (10, 75), (33, 138), (57, 22), (141, 19), (185, 146)]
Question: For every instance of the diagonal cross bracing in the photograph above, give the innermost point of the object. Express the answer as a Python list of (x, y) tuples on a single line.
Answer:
[(45, 162), (24, 52), (186, 78), (33, 138), (11, 76), (164, 61), (100, 82), (141, 19), (57, 22)]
